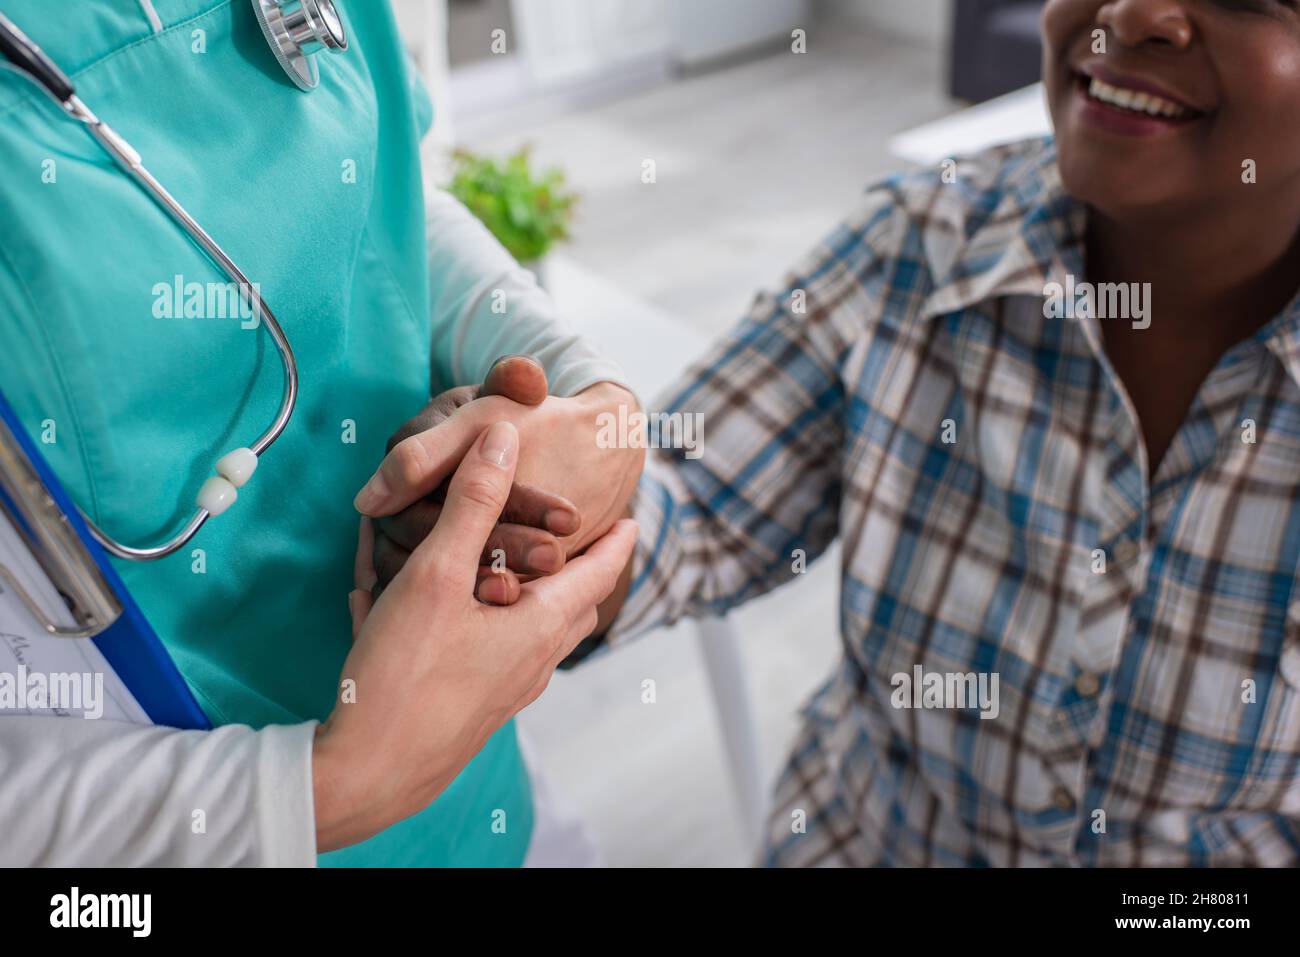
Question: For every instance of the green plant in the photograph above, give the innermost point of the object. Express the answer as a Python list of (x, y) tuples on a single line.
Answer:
[(527, 211)]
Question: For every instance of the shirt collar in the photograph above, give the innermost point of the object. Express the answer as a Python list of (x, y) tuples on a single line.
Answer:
[(1034, 236), (1281, 336)]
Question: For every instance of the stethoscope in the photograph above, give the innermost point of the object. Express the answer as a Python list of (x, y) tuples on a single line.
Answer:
[(295, 29)]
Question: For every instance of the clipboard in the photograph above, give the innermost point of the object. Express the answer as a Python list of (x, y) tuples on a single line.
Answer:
[(61, 600)]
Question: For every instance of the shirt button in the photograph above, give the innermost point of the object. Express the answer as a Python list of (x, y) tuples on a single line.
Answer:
[(1125, 550), (1087, 684), (1062, 799)]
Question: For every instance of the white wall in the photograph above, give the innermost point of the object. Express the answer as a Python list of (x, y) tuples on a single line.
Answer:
[(713, 28), (925, 21)]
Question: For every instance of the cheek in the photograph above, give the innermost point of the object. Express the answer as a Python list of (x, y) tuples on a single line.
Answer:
[(1057, 25), (1067, 22), (1066, 26), (1261, 100)]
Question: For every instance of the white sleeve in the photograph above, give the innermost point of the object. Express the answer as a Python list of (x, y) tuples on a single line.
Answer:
[(107, 793), (469, 273)]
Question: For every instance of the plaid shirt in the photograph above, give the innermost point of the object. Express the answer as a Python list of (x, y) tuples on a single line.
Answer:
[(984, 471)]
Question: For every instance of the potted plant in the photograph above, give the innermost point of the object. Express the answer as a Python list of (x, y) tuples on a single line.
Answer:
[(527, 211)]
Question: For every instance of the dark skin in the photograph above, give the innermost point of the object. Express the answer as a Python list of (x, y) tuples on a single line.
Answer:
[(1169, 206)]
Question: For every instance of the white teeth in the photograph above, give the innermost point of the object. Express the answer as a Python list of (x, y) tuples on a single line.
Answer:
[(1135, 101)]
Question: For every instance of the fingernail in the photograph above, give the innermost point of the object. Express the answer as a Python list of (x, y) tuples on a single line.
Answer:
[(374, 494), (560, 521), (493, 591), (543, 558), (499, 444), (513, 355)]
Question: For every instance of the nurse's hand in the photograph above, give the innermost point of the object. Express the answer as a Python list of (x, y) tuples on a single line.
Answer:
[(560, 453), (433, 672), (527, 540)]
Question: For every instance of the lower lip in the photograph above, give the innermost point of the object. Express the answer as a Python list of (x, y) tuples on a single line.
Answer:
[(1124, 122)]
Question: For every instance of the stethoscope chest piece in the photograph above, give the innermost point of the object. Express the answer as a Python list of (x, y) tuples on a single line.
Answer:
[(298, 29)]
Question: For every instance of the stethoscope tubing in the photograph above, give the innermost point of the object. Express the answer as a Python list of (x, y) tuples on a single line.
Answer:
[(32, 63), (130, 161)]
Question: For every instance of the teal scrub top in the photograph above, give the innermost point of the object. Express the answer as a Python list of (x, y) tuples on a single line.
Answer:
[(318, 197)]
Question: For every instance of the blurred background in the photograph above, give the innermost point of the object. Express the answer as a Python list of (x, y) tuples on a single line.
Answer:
[(761, 121)]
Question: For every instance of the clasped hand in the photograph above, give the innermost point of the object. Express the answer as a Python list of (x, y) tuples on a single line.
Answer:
[(568, 491), (433, 672)]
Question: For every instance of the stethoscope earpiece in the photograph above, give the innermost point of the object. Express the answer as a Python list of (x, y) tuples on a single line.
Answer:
[(298, 29)]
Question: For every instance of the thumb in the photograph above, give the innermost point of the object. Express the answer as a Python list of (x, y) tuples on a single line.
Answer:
[(477, 494), (520, 378)]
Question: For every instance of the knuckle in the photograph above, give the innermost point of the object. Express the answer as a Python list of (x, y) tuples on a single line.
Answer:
[(400, 436), (557, 635), (408, 463), (480, 490), (551, 611), (540, 686)]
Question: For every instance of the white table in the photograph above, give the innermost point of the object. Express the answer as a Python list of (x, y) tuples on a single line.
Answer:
[(1019, 115), (653, 349)]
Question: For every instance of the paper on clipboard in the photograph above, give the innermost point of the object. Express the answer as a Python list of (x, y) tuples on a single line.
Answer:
[(72, 671)]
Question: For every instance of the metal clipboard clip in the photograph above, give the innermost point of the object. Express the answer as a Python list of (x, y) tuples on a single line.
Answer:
[(55, 546)]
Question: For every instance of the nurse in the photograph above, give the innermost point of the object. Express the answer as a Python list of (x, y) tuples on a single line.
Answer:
[(387, 296)]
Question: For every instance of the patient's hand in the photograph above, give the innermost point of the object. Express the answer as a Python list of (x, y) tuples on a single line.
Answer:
[(568, 490)]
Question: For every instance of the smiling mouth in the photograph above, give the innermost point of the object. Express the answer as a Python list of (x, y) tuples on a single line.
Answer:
[(1134, 102)]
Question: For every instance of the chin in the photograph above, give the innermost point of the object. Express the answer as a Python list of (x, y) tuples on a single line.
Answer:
[(1115, 185), (1085, 180)]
